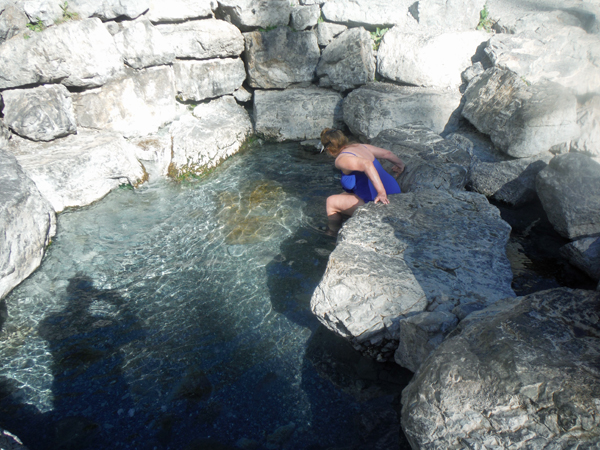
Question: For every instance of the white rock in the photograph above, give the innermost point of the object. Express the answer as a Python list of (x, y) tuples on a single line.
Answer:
[(367, 13), (142, 45), (203, 39), (296, 114), (12, 20), (435, 60), (304, 17), (46, 11), (78, 169), (457, 15), (180, 10), (41, 114), (242, 95), (199, 80), (133, 106), (154, 148), (77, 53), (250, 14), (327, 31), (588, 119), (215, 131), (27, 223), (109, 9)]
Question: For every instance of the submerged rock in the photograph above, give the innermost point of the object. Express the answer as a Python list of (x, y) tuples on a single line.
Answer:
[(78, 53), (27, 223), (215, 131), (569, 188), (429, 251), (79, 169), (375, 107), (277, 58), (522, 119), (40, 114), (296, 114), (133, 106), (520, 374), (431, 162)]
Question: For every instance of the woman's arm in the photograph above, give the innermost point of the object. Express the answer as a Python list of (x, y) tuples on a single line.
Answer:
[(351, 163), (389, 155)]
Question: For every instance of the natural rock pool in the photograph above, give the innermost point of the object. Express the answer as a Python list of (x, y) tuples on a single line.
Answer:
[(176, 316)]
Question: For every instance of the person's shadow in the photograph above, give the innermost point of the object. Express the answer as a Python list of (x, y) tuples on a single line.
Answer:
[(92, 405)]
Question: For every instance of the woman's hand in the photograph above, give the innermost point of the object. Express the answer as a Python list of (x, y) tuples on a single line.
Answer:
[(398, 168), (382, 198)]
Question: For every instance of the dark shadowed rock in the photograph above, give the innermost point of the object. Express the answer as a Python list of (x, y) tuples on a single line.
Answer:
[(27, 223), (375, 107), (429, 251), (522, 373), (41, 114), (584, 254), (348, 61), (277, 58), (296, 114), (522, 119), (569, 188)]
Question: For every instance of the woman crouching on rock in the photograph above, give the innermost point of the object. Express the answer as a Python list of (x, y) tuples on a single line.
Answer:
[(363, 177)]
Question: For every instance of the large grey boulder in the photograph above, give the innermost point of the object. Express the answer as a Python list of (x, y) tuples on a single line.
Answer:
[(109, 9), (522, 119), (377, 106), (215, 131), (584, 254), (426, 59), (327, 32), (588, 119), (27, 223), (565, 55), (296, 114), (432, 251), (278, 58), (511, 182), (78, 169), (198, 80), (78, 53), (43, 113), (203, 39), (142, 45), (12, 20), (136, 105), (250, 14), (304, 17), (367, 13), (431, 162), (520, 374), (348, 61), (179, 10), (569, 189)]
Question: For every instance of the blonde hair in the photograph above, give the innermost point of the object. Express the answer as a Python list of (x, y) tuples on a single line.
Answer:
[(333, 141)]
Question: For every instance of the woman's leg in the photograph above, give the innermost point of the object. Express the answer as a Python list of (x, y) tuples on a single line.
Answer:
[(340, 205)]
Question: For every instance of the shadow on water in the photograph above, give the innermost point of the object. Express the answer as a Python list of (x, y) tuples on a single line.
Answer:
[(88, 386)]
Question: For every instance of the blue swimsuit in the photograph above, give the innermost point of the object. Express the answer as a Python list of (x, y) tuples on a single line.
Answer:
[(359, 184)]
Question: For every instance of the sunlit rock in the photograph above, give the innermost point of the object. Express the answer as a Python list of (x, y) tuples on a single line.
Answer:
[(203, 39), (180, 10), (377, 106), (277, 58), (12, 20), (78, 53), (304, 17), (41, 114), (430, 251), (569, 188), (348, 61), (198, 80), (435, 60), (585, 254), (327, 31), (511, 182), (44, 11), (588, 119), (79, 169), (249, 14), (431, 162), (522, 119), (142, 45), (367, 13), (133, 106), (565, 55), (156, 150), (445, 15), (215, 131), (519, 374), (296, 114), (27, 223), (109, 9)]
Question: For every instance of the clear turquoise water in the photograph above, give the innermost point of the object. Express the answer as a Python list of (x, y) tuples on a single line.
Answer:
[(176, 316)]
